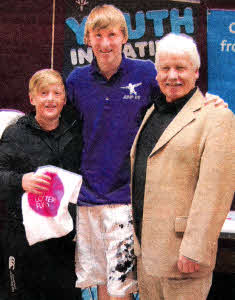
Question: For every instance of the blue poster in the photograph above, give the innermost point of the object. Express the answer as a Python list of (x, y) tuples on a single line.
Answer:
[(147, 22), (221, 54)]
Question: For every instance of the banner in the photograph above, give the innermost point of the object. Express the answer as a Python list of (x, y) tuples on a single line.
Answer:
[(221, 54), (147, 22)]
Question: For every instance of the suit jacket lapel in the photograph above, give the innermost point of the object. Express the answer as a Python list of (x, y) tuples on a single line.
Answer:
[(147, 115), (184, 117)]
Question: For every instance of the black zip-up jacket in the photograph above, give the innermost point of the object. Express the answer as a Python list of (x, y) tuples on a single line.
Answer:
[(24, 147)]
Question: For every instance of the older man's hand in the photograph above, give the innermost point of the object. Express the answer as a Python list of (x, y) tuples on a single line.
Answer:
[(186, 265), (210, 98)]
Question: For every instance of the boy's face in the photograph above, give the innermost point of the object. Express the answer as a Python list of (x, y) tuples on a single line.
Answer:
[(107, 45), (48, 102)]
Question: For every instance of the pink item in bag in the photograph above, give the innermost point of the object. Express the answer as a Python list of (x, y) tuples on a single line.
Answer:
[(48, 203), (47, 216)]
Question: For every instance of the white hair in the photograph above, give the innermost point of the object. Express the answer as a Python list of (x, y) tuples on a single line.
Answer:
[(178, 44)]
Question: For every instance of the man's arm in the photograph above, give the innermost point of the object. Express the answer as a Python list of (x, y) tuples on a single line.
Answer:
[(213, 193)]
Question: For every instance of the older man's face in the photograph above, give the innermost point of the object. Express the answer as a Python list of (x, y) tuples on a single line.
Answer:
[(176, 75)]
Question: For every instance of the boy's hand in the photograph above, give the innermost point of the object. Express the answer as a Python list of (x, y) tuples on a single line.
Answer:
[(36, 184)]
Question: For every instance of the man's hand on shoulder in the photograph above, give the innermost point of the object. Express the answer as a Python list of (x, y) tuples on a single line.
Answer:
[(210, 98), (187, 265)]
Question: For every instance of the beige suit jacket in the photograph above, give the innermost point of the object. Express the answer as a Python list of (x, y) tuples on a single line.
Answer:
[(189, 188)]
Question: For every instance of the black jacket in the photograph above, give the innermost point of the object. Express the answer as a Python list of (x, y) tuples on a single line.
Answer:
[(24, 146)]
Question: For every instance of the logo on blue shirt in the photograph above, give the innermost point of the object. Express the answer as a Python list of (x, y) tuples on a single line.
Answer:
[(132, 92)]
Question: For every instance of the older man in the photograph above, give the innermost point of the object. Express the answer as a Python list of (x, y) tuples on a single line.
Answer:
[(182, 184)]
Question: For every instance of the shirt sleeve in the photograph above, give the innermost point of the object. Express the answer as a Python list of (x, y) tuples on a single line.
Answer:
[(72, 98)]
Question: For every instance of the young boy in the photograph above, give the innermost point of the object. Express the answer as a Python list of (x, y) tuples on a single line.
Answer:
[(49, 136)]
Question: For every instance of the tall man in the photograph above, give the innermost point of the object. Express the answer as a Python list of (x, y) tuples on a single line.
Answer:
[(182, 179), (112, 95)]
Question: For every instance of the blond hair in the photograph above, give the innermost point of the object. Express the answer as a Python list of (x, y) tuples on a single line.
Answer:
[(43, 78), (178, 44), (104, 16)]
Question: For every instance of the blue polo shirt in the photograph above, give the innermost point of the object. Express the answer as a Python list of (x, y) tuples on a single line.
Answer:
[(112, 111)]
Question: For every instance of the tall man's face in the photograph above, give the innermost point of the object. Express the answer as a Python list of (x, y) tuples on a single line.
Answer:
[(176, 75), (107, 45)]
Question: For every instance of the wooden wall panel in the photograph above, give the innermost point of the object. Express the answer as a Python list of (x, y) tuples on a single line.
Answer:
[(26, 46)]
